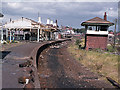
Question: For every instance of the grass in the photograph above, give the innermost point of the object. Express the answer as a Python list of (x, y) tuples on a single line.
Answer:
[(104, 64)]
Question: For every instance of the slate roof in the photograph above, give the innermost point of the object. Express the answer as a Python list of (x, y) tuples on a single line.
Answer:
[(97, 21)]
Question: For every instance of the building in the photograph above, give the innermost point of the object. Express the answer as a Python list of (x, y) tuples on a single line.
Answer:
[(111, 37), (118, 38), (96, 32), (51, 30), (66, 31), (15, 27), (28, 29)]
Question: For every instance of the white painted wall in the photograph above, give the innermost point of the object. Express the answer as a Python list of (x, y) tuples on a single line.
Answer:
[(72, 32), (97, 32), (56, 35)]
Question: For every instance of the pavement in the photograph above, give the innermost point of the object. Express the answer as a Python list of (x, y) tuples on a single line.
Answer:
[(11, 58)]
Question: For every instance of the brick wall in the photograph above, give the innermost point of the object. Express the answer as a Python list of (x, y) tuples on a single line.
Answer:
[(96, 41)]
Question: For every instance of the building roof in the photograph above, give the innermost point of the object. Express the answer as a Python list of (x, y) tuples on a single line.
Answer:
[(118, 34), (111, 32), (29, 23), (31, 20), (1, 15), (97, 21)]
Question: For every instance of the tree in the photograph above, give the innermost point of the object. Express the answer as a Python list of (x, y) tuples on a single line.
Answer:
[(82, 30), (110, 30)]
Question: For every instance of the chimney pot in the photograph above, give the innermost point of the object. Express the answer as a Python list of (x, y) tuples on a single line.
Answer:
[(55, 21), (10, 19), (39, 20), (51, 22), (48, 21), (105, 16)]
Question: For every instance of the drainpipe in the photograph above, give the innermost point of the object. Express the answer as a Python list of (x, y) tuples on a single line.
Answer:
[(30, 35), (41, 34), (50, 35), (24, 36), (13, 36), (2, 35), (38, 34), (10, 35), (6, 34)]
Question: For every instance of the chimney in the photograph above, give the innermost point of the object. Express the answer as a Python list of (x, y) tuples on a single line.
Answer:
[(105, 16), (10, 19), (39, 20), (48, 21), (51, 22), (22, 18), (56, 22)]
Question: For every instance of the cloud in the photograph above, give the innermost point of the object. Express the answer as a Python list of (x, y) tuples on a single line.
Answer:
[(14, 5), (61, 1), (67, 13)]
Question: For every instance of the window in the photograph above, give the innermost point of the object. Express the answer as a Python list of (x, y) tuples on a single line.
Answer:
[(104, 28), (90, 28)]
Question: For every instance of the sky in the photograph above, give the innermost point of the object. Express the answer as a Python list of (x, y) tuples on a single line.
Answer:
[(67, 13)]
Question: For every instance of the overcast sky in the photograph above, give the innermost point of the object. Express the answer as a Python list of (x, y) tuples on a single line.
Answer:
[(67, 13)]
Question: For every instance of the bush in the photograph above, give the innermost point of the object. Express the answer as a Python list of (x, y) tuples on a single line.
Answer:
[(110, 49), (77, 42)]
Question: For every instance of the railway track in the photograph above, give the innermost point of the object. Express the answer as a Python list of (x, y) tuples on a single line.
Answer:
[(58, 69)]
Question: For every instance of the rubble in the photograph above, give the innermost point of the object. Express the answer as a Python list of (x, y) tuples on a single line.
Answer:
[(25, 79), (28, 63), (41, 56), (29, 86)]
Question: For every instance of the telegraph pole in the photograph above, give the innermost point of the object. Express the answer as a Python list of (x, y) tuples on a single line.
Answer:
[(38, 37), (115, 34)]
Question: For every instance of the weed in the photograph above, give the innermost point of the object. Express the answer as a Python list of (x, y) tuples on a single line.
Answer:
[(78, 42), (97, 60)]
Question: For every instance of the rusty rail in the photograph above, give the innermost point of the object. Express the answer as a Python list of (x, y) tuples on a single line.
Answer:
[(113, 82)]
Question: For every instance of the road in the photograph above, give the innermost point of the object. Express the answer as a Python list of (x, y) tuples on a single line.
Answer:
[(58, 69)]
